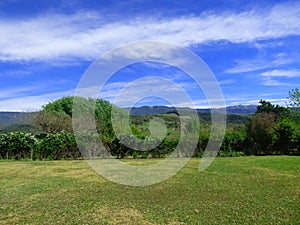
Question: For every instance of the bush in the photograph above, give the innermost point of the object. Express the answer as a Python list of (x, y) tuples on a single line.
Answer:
[(135, 154), (57, 146), (145, 155), (17, 145)]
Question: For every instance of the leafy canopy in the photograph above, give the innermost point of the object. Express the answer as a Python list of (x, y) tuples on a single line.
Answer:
[(294, 98)]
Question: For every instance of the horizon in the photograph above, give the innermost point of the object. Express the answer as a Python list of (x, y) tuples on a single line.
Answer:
[(152, 106), (46, 47)]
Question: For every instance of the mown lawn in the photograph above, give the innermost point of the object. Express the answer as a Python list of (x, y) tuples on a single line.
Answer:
[(245, 190)]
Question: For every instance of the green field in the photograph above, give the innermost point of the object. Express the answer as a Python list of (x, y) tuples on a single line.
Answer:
[(245, 190)]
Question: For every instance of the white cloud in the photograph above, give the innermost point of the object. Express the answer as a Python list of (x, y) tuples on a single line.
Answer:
[(15, 73), (275, 77), (126, 94), (282, 73), (244, 66), (247, 66), (86, 35), (30, 102), (17, 91), (226, 82), (272, 82)]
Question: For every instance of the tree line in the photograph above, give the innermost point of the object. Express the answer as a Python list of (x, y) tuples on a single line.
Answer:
[(272, 130)]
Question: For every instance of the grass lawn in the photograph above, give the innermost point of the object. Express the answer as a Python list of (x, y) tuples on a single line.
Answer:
[(245, 190)]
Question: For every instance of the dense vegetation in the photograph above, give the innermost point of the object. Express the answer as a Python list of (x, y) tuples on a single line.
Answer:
[(272, 130)]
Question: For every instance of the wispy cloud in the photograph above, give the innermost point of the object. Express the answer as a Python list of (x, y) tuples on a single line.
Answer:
[(125, 94), (86, 35), (274, 83), (30, 102), (17, 91), (260, 63), (227, 82), (279, 77), (282, 73), (15, 73), (247, 66)]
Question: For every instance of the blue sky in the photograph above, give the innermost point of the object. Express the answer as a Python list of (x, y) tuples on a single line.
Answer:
[(252, 47)]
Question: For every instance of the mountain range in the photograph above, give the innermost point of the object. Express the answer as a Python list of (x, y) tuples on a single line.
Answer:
[(149, 110), (11, 121)]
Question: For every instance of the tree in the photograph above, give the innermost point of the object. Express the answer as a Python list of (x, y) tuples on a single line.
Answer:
[(64, 104), (267, 107), (284, 136), (234, 141), (294, 103), (52, 121), (56, 116), (272, 130), (260, 132), (294, 98)]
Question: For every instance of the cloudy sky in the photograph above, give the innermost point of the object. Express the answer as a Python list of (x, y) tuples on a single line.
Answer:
[(252, 48)]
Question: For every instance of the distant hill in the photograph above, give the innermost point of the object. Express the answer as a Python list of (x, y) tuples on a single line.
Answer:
[(9, 118), (241, 109), (16, 121), (149, 110)]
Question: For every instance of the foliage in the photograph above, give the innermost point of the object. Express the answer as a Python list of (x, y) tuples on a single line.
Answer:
[(56, 116), (260, 132), (25, 145), (52, 121), (234, 142), (57, 146), (17, 145), (294, 98), (273, 129), (267, 107), (284, 136)]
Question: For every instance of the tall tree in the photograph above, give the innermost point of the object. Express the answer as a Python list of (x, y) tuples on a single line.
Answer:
[(285, 136), (294, 98), (268, 107), (260, 132), (57, 115)]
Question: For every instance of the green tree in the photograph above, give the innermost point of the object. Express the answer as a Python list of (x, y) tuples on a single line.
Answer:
[(294, 103), (284, 136), (52, 121), (267, 107), (260, 132), (272, 130), (234, 141), (294, 98), (57, 115), (64, 104)]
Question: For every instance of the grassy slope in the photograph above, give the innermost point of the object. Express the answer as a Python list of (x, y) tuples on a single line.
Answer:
[(249, 190)]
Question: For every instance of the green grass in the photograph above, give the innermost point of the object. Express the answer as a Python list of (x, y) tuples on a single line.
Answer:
[(245, 190)]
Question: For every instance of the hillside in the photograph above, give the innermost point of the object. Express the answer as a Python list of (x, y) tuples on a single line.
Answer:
[(9, 118), (15, 121)]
